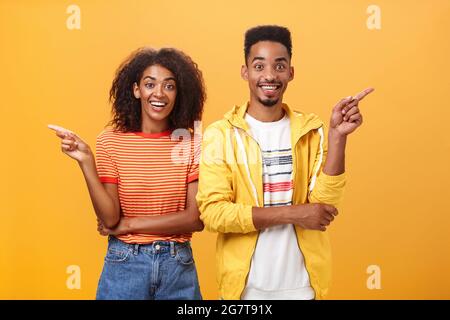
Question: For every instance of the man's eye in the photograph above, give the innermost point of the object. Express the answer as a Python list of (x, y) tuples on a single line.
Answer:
[(258, 66), (280, 67)]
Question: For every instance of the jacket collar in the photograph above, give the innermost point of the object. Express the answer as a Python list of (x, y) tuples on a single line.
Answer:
[(300, 123)]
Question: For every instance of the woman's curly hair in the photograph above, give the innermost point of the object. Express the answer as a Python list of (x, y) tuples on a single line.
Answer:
[(191, 95)]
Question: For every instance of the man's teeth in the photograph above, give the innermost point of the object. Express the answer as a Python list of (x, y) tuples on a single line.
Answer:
[(269, 87)]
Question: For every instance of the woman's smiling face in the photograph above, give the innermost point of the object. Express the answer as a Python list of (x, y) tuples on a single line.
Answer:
[(158, 91)]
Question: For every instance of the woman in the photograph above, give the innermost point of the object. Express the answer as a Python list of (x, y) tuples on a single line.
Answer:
[(144, 183)]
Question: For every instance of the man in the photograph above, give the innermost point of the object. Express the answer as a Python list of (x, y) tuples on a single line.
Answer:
[(270, 181)]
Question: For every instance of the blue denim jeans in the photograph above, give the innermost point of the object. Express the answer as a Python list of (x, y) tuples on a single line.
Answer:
[(162, 270)]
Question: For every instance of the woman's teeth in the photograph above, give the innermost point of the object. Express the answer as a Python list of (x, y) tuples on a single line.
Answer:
[(157, 104)]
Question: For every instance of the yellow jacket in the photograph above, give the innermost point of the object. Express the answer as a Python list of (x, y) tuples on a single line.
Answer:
[(230, 184)]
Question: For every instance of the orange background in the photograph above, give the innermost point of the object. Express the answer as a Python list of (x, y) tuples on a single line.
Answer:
[(395, 213)]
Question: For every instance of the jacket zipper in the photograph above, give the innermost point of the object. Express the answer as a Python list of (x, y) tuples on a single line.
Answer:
[(257, 204)]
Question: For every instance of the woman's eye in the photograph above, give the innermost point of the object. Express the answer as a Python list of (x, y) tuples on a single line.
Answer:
[(170, 87), (149, 85)]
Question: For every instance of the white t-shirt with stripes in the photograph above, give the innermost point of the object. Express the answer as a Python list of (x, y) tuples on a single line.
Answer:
[(277, 269)]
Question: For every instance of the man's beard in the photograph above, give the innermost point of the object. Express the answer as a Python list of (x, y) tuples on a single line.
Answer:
[(268, 102)]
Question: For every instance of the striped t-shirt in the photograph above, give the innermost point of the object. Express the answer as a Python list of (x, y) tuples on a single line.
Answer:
[(277, 269), (151, 171)]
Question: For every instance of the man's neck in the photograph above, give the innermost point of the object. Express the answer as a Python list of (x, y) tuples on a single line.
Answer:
[(265, 114)]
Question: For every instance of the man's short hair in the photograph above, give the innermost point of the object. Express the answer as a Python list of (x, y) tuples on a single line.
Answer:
[(267, 33)]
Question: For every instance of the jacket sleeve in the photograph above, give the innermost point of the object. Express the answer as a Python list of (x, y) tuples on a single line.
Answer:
[(215, 197), (324, 188)]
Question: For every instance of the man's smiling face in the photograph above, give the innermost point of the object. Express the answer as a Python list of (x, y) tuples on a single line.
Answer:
[(268, 72)]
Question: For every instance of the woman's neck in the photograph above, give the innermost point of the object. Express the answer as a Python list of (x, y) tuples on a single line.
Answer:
[(154, 126)]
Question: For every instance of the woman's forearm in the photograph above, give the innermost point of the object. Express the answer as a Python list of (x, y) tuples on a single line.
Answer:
[(106, 208), (185, 221)]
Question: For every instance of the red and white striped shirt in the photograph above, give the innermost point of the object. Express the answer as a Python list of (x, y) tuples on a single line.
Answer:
[(152, 172)]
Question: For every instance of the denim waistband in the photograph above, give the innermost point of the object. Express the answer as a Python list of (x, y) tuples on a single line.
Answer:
[(153, 247)]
